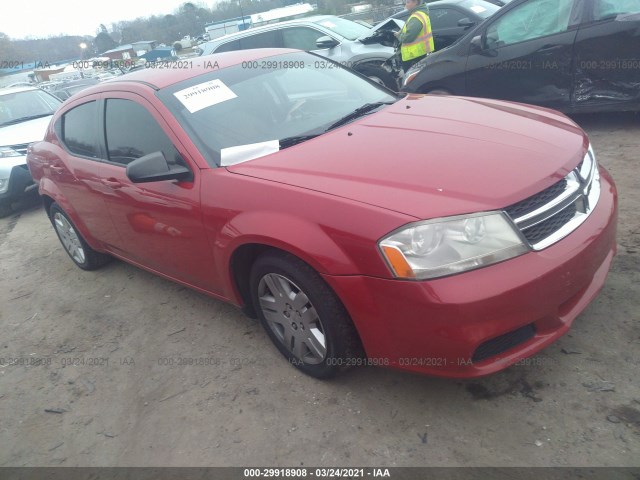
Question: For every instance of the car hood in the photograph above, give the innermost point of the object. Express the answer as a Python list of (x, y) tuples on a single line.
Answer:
[(25, 132), (431, 156), (389, 24)]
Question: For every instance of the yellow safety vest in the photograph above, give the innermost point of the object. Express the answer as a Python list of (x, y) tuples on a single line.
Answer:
[(423, 43)]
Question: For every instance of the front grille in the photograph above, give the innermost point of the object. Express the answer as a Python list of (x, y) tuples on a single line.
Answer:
[(536, 201), (548, 227), (558, 210), (505, 342), (21, 148)]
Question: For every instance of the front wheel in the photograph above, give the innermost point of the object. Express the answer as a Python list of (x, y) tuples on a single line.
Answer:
[(76, 247), (302, 316)]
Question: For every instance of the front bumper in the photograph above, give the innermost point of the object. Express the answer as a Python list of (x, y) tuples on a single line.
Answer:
[(482, 321), (20, 181)]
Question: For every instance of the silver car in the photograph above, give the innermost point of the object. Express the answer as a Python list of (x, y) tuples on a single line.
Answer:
[(24, 116), (349, 43)]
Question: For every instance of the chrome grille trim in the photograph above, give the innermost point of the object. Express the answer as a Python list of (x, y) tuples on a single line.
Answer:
[(580, 194)]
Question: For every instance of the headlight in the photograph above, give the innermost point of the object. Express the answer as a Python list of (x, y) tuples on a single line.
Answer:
[(8, 152), (447, 246)]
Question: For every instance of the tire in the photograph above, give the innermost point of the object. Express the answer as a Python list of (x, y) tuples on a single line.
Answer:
[(76, 247), (311, 327), (379, 75), (5, 209)]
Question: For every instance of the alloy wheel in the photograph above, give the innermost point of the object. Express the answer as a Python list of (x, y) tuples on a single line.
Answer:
[(69, 238)]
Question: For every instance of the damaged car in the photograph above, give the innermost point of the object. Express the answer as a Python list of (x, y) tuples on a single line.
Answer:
[(571, 55), (369, 51), (282, 191)]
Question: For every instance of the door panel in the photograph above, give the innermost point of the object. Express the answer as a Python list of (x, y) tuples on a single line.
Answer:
[(78, 174), (608, 55), (526, 55), (159, 223)]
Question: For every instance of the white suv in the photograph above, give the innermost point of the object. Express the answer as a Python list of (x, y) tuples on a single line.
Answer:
[(24, 116), (365, 50)]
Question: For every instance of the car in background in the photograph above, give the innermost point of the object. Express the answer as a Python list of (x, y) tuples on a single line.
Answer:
[(24, 116), (350, 43), (282, 190), (65, 90), (570, 55), (452, 19)]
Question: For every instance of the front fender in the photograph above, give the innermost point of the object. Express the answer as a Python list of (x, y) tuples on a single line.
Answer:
[(282, 231)]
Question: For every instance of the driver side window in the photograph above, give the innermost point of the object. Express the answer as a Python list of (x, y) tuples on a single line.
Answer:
[(603, 9), (531, 20)]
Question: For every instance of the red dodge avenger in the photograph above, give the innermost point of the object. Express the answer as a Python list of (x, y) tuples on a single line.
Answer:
[(443, 235)]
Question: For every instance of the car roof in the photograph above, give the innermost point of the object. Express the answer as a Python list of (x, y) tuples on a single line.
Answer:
[(270, 26), (7, 90), (158, 78)]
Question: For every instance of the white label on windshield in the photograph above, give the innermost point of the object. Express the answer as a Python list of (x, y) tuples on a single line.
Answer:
[(478, 8), (204, 95), (244, 153)]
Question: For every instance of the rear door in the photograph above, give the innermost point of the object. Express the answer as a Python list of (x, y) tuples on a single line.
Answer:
[(526, 54), (77, 173), (607, 55)]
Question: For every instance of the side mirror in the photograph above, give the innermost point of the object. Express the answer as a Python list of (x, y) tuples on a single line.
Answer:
[(476, 43), (466, 23), (326, 42), (154, 168)]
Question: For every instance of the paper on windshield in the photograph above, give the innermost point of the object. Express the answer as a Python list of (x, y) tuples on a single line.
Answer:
[(244, 153), (204, 95), (478, 9)]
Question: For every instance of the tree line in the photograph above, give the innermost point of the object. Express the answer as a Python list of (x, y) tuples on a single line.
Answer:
[(188, 19)]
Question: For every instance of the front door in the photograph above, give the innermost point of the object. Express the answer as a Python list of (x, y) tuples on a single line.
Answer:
[(607, 55), (526, 55), (160, 223)]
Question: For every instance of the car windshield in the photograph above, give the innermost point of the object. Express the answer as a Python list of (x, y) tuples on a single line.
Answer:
[(345, 28), (255, 108), (480, 7), (17, 107)]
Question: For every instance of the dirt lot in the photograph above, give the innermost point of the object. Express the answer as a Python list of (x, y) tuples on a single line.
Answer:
[(98, 381)]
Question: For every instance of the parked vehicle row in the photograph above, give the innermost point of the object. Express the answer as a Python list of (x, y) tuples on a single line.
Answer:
[(25, 113)]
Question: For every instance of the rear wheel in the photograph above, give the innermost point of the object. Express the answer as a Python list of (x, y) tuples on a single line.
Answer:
[(5, 210), (76, 247), (302, 316)]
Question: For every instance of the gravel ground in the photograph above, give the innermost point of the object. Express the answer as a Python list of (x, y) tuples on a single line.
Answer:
[(104, 386)]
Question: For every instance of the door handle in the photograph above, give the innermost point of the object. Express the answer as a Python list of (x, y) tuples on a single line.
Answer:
[(55, 169), (550, 48), (111, 183)]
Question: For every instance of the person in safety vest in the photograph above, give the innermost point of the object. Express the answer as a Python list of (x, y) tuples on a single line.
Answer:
[(416, 39)]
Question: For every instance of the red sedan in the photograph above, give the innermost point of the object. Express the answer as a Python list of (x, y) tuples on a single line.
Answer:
[(448, 236)]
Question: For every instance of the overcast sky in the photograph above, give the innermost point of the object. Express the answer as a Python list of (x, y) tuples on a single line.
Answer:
[(43, 18)]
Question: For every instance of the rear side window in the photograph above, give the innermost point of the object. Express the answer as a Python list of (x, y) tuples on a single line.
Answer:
[(140, 135), (79, 132), (229, 46)]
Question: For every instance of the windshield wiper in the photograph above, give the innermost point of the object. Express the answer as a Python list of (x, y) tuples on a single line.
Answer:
[(357, 113), (26, 119), (291, 141)]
